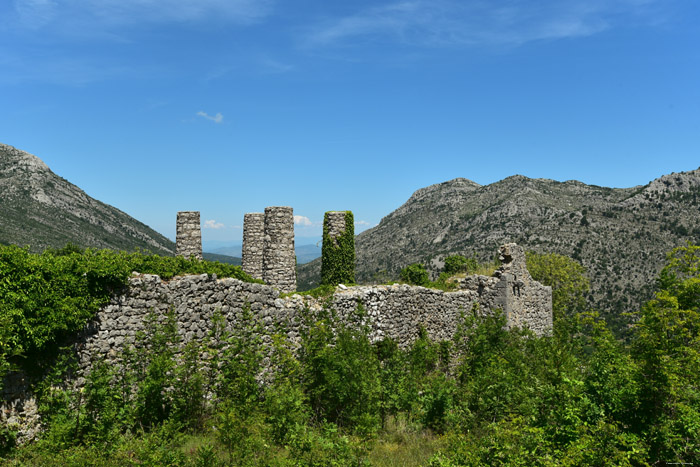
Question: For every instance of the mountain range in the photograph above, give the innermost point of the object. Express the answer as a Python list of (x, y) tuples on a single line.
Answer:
[(620, 235), (305, 252), (39, 209)]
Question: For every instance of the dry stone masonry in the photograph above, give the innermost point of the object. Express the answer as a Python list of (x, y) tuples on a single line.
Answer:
[(335, 223), (396, 311), (253, 243), (511, 289), (189, 235), (279, 258)]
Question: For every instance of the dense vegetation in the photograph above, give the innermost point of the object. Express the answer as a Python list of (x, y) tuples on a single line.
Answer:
[(338, 254), (491, 396), (46, 298)]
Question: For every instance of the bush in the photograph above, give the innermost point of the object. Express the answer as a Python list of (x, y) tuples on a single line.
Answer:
[(415, 274), (341, 375), (456, 264)]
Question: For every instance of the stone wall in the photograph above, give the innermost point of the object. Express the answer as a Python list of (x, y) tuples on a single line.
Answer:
[(253, 243), (397, 311), (525, 302), (188, 240), (279, 257)]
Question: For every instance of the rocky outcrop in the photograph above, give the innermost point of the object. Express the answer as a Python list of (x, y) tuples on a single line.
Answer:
[(40, 209)]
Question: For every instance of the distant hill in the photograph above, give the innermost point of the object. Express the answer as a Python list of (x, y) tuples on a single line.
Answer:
[(40, 209), (305, 253), (621, 235), (222, 258)]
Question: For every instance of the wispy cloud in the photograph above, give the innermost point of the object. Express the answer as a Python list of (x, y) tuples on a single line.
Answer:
[(274, 66), (212, 224), (486, 22), (302, 220), (362, 223), (71, 70), (218, 118), (38, 13)]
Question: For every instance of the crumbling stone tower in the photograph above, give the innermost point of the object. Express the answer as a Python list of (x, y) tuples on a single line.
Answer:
[(525, 301), (338, 251), (188, 241), (253, 244), (279, 258)]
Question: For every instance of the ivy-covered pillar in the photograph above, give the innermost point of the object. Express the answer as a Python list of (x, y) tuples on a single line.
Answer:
[(338, 251)]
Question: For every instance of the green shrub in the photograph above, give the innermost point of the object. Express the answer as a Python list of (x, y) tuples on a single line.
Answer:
[(456, 264), (415, 274), (341, 375)]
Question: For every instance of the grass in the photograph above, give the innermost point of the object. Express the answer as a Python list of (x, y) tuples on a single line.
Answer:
[(401, 445)]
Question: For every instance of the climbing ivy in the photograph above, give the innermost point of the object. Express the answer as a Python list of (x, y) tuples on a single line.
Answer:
[(338, 255)]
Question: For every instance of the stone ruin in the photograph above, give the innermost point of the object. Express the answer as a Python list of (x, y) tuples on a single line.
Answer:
[(188, 241), (335, 223), (397, 311), (253, 244), (268, 247)]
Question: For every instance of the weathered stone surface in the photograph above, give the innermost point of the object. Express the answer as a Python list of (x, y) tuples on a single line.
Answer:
[(397, 311), (335, 222), (189, 235), (253, 244), (279, 258)]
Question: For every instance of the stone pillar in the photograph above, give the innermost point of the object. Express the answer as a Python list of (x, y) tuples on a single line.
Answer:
[(279, 258), (338, 252), (253, 243), (334, 221), (189, 235)]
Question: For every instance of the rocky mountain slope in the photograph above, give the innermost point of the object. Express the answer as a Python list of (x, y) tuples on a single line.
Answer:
[(40, 209), (620, 235)]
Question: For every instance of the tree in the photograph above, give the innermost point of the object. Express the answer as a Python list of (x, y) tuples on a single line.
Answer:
[(666, 345), (566, 277)]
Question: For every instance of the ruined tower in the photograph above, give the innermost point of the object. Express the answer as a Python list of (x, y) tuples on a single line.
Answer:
[(253, 243), (279, 259), (338, 251), (189, 235)]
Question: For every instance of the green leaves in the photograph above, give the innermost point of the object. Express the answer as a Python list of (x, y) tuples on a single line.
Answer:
[(338, 254), (567, 278), (667, 345), (46, 298), (415, 274)]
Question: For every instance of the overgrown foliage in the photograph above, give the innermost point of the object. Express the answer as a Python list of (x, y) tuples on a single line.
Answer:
[(567, 278), (495, 396), (46, 298), (338, 254)]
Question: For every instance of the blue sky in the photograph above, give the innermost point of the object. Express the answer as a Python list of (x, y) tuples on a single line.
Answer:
[(228, 106)]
